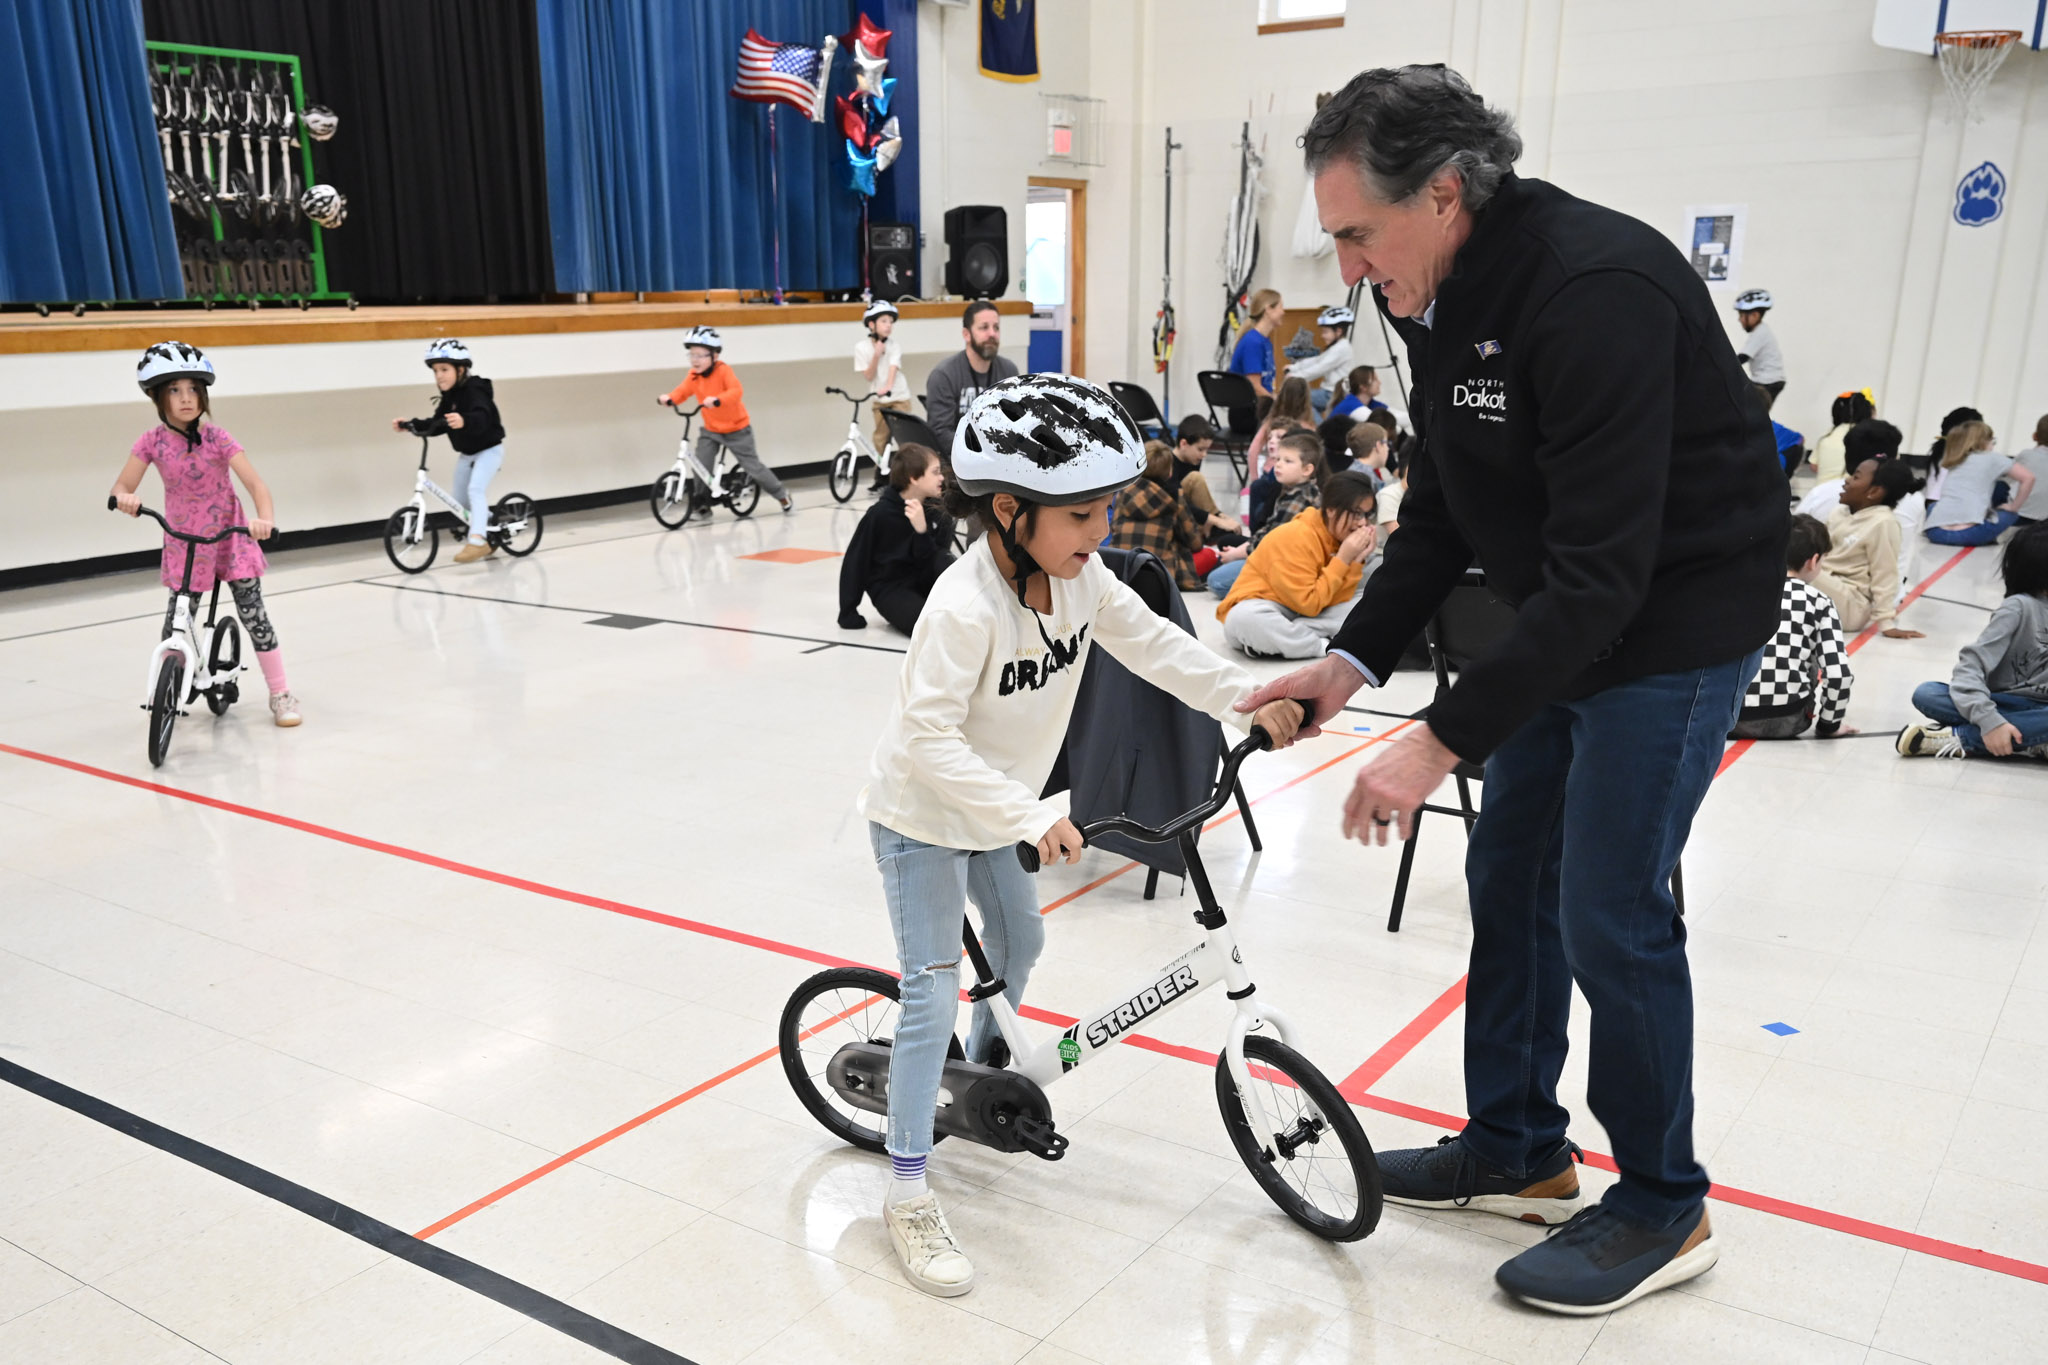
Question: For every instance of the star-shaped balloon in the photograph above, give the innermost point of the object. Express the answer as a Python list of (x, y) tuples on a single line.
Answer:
[(864, 36), (867, 71), (887, 145), (884, 95), (863, 169), (851, 121)]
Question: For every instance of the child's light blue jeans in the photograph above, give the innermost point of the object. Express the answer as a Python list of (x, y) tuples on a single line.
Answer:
[(473, 475), (928, 888)]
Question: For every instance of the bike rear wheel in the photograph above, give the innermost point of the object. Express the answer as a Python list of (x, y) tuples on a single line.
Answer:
[(670, 498), (411, 540), (836, 1007), (1323, 1173), (522, 522), (845, 474), (164, 700)]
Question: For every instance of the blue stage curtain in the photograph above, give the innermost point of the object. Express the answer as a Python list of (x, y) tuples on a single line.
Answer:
[(658, 178), (896, 198), (86, 216)]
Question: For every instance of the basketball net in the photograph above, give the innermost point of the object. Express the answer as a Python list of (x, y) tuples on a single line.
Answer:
[(1969, 58)]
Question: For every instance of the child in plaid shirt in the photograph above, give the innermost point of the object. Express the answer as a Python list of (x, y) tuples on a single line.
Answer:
[(1151, 516), (1805, 678)]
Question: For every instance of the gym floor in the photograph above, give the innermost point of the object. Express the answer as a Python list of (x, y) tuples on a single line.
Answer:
[(449, 1017)]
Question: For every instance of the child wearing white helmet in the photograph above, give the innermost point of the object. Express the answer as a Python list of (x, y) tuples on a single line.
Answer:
[(194, 456), (1326, 370), (879, 358), (981, 711), (1759, 349), (720, 401), (467, 414)]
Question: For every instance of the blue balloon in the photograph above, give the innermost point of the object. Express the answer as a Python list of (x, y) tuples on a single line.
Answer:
[(863, 169), (881, 100)]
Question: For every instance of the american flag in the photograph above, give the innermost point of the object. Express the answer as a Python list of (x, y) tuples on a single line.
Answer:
[(778, 73)]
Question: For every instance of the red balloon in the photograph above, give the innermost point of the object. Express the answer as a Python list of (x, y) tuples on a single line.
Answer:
[(864, 33), (852, 122)]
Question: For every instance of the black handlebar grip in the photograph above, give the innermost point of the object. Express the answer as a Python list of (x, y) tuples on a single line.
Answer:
[(113, 503), (1027, 856)]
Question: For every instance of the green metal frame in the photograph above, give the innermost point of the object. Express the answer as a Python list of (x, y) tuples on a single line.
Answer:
[(320, 289)]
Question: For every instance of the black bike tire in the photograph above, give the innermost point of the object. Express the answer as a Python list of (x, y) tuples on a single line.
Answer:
[(534, 523), (1365, 1167), (658, 496), (807, 1092), (746, 498), (164, 700), (394, 531), (843, 489)]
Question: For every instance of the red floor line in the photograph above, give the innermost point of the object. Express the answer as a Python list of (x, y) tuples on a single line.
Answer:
[(1407, 1040), (1910, 598)]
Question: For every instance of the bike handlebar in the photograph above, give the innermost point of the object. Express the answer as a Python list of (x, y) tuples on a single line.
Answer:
[(1226, 782), (833, 388), (114, 505), (677, 409)]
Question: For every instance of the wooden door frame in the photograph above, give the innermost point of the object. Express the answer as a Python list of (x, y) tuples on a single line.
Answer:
[(1077, 272)]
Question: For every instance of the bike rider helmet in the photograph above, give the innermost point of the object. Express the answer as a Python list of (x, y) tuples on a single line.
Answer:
[(325, 205), (320, 122), (1338, 316), (1047, 439), (707, 337), (880, 308), (448, 350), (168, 360), (1753, 301)]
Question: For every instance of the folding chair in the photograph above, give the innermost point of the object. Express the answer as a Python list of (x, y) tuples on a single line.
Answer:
[(1468, 625), (1137, 402), (907, 430), (1233, 407)]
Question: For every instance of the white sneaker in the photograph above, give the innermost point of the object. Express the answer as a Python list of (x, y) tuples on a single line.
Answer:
[(1922, 740), (931, 1257)]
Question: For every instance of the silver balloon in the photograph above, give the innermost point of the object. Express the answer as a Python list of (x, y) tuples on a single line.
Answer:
[(888, 143)]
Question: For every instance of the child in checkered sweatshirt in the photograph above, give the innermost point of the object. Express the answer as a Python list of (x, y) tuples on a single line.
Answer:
[(1805, 678)]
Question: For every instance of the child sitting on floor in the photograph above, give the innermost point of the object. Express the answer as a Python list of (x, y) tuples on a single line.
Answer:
[(1150, 516), (1299, 584), (1860, 573), (1296, 468), (1804, 679), (1996, 701)]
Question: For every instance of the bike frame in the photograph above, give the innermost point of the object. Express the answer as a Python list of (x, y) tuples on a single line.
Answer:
[(184, 637), (688, 465), (423, 485)]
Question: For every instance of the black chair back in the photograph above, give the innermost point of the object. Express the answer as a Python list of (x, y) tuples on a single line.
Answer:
[(1137, 402), (907, 430), (1233, 396)]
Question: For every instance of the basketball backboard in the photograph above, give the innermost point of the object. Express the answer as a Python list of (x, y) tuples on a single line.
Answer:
[(1910, 25)]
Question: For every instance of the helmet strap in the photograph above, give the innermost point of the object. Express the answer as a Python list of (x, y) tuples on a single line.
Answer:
[(1022, 567)]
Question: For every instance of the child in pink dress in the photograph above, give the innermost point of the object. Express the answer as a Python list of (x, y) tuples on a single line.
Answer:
[(193, 457)]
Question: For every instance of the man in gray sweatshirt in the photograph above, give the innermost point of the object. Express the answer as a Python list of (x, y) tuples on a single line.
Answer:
[(953, 384)]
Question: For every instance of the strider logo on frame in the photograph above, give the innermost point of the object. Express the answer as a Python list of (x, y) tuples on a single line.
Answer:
[(1488, 398), (1146, 1002), (1028, 675)]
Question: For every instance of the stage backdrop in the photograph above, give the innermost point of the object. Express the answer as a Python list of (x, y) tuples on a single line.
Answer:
[(85, 216), (658, 178), (440, 149)]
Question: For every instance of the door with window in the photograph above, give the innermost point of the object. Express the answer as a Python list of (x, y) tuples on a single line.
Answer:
[(1054, 230)]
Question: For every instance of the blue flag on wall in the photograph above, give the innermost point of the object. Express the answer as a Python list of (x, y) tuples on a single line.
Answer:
[(1009, 40)]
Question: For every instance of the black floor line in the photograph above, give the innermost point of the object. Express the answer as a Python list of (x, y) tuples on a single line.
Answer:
[(158, 614), (664, 620), (1390, 715), (1973, 606), (550, 1312)]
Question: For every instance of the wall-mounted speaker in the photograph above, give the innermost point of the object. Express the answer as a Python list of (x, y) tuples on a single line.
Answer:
[(977, 251), (892, 261)]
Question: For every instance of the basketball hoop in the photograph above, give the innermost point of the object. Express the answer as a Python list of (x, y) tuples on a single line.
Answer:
[(1969, 58)]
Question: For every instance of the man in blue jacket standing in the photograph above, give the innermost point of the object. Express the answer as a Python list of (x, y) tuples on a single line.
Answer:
[(1588, 439)]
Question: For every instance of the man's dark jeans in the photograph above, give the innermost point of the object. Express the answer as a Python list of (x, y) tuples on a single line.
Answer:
[(1586, 810)]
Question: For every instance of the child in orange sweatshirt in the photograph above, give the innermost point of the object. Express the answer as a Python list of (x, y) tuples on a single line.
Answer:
[(717, 390), (1298, 585)]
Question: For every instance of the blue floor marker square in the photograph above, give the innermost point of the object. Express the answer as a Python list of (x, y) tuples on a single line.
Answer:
[(1782, 1030)]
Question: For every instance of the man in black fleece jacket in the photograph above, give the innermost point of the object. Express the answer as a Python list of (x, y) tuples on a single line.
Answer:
[(1588, 439)]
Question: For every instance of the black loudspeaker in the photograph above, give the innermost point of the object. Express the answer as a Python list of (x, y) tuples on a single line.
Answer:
[(892, 261), (977, 251)]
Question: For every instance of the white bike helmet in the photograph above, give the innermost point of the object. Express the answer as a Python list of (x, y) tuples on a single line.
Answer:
[(1753, 301), (448, 349), (325, 205), (707, 337), (168, 360), (320, 122), (1050, 439), (880, 308), (1338, 316)]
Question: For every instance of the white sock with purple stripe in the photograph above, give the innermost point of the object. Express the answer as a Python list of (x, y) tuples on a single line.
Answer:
[(906, 1179)]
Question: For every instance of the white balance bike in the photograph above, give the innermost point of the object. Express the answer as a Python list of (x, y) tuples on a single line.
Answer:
[(179, 671), (411, 538), (845, 476), (1295, 1133), (685, 489)]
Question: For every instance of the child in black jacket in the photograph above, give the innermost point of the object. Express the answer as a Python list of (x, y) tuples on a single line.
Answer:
[(468, 417), (900, 547)]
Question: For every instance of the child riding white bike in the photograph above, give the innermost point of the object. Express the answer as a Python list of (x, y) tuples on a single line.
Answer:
[(467, 414), (193, 457), (719, 400), (981, 711)]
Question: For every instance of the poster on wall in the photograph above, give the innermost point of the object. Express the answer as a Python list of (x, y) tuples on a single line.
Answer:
[(1712, 236)]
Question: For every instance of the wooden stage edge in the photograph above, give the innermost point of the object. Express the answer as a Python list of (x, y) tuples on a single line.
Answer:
[(133, 329)]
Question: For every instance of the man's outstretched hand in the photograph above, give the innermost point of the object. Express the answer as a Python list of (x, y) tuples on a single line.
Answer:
[(1328, 683)]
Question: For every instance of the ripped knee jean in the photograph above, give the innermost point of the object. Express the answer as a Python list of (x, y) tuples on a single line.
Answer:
[(927, 889)]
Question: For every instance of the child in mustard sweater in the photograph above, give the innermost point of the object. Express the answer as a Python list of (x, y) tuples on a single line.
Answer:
[(1298, 585)]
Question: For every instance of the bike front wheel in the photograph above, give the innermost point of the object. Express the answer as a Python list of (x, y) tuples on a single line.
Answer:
[(1322, 1171), (670, 498), (745, 493), (411, 540), (845, 474), (836, 1007), (164, 700), (520, 521)]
